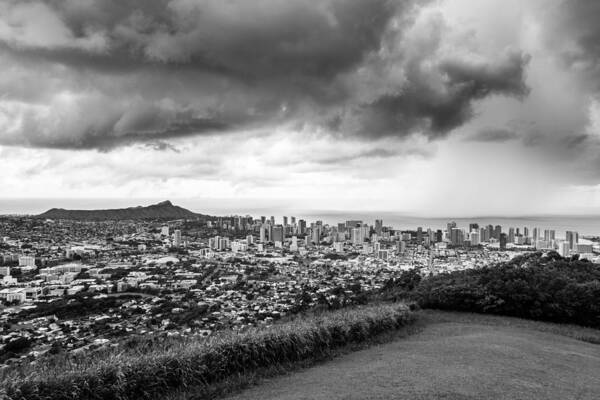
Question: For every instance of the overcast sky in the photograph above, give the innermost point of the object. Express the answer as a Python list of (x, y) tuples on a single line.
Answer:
[(450, 107)]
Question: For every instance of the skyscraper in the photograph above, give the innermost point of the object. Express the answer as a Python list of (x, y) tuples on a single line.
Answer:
[(572, 238), (473, 227), (285, 221), (419, 235), (301, 227), (357, 236), (263, 233), (497, 232), (511, 235), (316, 234), (277, 234), (457, 237), (483, 235), (474, 238), (177, 238), (549, 235), (450, 226), (378, 226), (439, 236), (503, 241)]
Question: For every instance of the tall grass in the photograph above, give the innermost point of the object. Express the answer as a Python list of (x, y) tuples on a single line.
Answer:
[(158, 369)]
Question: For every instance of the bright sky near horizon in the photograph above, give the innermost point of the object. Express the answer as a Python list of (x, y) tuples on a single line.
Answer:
[(448, 107)]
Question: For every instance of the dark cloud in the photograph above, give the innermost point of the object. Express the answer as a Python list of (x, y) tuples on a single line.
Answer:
[(152, 70), (436, 107), (493, 135), (249, 40)]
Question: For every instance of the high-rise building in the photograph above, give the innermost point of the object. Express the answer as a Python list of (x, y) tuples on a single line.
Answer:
[(525, 231), (294, 245), (277, 234), (378, 226), (572, 238), (474, 238), (316, 234), (450, 226), (293, 220), (165, 230), (401, 247), (430, 235), (353, 224), (457, 237), (473, 227), (419, 235), (497, 232), (357, 235), (263, 219), (285, 221), (549, 235), (564, 248), (439, 236), (177, 238), (503, 241), (511, 235), (263, 233), (301, 227), (484, 234), (272, 220)]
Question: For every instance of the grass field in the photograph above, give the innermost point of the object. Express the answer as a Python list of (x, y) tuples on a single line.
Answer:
[(455, 356)]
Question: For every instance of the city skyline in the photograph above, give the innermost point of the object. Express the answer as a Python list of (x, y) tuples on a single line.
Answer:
[(442, 108)]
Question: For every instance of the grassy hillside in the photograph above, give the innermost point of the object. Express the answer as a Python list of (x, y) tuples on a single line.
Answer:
[(455, 356), (154, 369)]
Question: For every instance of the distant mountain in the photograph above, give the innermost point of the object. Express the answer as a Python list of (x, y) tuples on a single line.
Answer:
[(162, 210)]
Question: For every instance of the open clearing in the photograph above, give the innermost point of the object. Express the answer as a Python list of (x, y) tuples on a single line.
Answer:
[(455, 356)]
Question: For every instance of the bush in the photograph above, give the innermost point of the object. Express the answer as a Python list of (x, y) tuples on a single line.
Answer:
[(152, 370), (539, 287), (17, 346)]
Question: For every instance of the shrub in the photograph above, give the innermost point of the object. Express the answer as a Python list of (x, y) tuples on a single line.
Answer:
[(537, 287)]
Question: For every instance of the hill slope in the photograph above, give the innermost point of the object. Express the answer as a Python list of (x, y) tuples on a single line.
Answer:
[(455, 357), (163, 210)]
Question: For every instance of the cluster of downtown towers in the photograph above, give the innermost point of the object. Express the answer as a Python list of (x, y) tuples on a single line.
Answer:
[(357, 232)]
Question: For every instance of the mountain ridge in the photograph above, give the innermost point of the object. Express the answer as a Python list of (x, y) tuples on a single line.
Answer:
[(163, 210)]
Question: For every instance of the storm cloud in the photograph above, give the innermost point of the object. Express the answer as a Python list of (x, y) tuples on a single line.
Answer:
[(103, 74), (439, 101)]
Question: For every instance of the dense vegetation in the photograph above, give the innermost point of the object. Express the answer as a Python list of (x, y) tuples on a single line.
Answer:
[(536, 286), (155, 369)]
